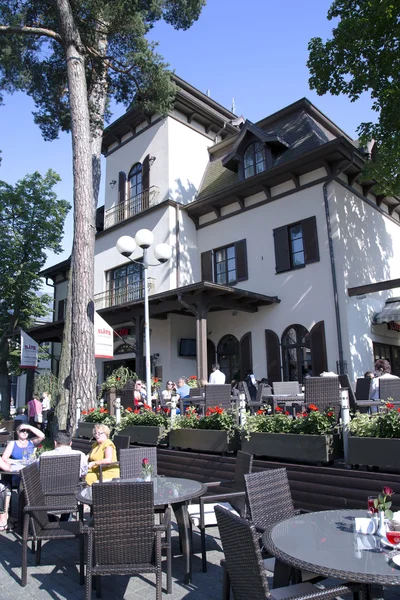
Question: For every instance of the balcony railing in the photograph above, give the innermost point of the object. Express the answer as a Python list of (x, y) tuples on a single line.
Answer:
[(131, 207), (123, 295)]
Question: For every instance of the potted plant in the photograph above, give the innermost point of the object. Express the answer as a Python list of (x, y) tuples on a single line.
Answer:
[(117, 380), (309, 437), (192, 381), (375, 438), (144, 426), (215, 432), (94, 415)]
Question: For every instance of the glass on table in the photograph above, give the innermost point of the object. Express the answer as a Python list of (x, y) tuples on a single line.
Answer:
[(371, 505)]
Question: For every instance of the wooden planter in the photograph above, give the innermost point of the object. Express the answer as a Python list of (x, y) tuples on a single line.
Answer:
[(294, 446), (85, 430), (378, 452), (144, 434), (205, 440)]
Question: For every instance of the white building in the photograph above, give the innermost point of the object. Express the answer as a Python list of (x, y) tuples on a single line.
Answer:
[(271, 227)]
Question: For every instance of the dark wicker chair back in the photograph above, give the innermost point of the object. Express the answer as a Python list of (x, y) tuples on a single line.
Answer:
[(218, 395), (244, 465), (269, 497), (121, 442), (34, 497), (324, 392), (389, 388), (131, 461), (345, 383), (123, 515), (196, 392), (363, 388), (286, 388), (60, 474), (243, 558), (262, 391)]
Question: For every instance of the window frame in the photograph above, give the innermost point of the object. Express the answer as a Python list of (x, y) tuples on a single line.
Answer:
[(225, 249), (284, 255), (135, 175), (252, 147), (113, 290)]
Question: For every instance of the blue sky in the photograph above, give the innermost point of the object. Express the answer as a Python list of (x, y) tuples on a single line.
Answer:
[(254, 52)]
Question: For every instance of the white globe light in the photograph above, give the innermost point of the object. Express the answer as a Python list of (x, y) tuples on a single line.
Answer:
[(144, 238), (126, 245), (163, 252)]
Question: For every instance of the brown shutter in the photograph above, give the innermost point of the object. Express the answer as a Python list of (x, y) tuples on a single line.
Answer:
[(246, 358), (146, 182), (241, 260), (319, 361), (207, 266), (273, 356), (121, 186), (282, 250), (310, 240), (61, 309)]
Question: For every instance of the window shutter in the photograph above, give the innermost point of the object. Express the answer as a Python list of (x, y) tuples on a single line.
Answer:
[(273, 356), (146, 182), (319, 361), (310, 240), (241, 260), (61, 309), (121, 186), (282, 250), (207, 266), (246, 358)]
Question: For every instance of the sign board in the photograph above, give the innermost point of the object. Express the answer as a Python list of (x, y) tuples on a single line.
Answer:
[(103, 338), (29, 352), (393, 326)]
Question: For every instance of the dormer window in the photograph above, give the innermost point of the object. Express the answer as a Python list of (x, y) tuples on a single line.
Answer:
[(254, 160), (135, 180)]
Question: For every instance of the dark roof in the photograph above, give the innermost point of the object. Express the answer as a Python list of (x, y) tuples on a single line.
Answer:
[(60, 267)]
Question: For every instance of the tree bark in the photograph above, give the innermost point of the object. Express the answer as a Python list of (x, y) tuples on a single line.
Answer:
[(5, 381), (62, 400)]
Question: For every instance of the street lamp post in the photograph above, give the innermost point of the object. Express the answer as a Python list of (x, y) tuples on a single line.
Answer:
[(126, 246)]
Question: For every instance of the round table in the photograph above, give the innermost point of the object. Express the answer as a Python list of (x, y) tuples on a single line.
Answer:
[(175, 491), (326, 543)]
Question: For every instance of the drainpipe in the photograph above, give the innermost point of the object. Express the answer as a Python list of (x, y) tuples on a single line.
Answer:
[(332, 260), (178, 247)]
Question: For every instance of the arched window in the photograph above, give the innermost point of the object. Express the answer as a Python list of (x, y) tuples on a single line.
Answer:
[(135, 180), (296, 353), (254, 160), (228, 352)]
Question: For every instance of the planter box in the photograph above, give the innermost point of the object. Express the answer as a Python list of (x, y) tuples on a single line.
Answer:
[(294, 446), (205, 440), (144, 435), (378, 452), (85, 430)]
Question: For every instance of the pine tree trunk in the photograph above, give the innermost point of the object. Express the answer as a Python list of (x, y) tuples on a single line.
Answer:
[(5, 383), (62, 400)]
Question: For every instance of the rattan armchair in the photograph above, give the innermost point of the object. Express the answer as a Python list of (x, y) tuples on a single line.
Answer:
[(324, 392), (363, 389), (124, 540), (37, 527), (202, 515), (59, 476), (244, 568), (131, 461), (389, 389)]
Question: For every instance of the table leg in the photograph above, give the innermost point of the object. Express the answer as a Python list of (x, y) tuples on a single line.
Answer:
[(374, 592), (282, 574), (182, 519)]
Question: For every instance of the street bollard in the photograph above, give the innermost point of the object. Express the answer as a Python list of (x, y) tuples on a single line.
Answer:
[(101, 402), (78, 410), (117, 410), (242, 409), (344, 401)]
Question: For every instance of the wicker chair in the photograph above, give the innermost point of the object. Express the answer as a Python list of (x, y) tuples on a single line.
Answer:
[(389, 388), (121, 442), (131, 461), (324, 392), (218, 395), (59, 476), (286, 388), (124, 540), (363, 388), (202, 515), (37, 526), (244, 569)]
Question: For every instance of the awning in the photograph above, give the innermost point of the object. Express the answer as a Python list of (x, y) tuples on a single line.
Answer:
[(390, 312)]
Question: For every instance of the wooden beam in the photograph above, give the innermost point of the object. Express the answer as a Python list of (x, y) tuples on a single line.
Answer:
[(190, 117), (352, 177), (217, 211), (295, 179), (370, 288), (379, 199), (239, 200), (267, 191), (367, 187), (393, 208), (328, 167)]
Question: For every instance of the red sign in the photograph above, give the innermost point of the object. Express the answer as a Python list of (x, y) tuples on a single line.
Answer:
[(393, 326), (121, 332)]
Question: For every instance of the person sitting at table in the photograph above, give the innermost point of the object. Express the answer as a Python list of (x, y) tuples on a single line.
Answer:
[(5, 495), (62, 447), (169, 392), (103, 453), (383, 370), (21, 415), (23, 446), (183, 388), (139, 394)]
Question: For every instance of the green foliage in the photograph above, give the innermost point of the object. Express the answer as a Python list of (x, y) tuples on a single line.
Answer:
[(311, 422), (98, 415), (143, 416), (382, 425), (363, 56), (215, 418), (118, 380), (45, 381), (383, 502)]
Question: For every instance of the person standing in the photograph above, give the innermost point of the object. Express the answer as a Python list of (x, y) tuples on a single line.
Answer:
[(35, 411), (46, 403), (216, 377)]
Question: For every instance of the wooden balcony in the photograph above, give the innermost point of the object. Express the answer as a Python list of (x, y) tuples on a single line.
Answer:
[(123, 295), (131, 207)]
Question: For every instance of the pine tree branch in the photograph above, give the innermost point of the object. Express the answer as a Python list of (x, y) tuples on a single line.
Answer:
[(38, 31)]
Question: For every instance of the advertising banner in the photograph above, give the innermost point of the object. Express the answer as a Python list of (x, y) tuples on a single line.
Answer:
[(29, 352), (103, 338)]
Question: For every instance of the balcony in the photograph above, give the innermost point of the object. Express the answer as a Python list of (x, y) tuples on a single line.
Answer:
[(123, 295), (131, 207)]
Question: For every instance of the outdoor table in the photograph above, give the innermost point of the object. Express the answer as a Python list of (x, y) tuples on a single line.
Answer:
[(175, 491), (326, 543)]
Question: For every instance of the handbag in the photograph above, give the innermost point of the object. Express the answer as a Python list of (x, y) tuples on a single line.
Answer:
[(38, 418)]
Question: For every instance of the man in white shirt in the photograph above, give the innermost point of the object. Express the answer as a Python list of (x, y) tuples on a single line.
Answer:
[(382, 371), (216, 377), (62, 446)]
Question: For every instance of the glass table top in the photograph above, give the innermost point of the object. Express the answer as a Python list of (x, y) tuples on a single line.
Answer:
[(327, 540), (167, 490)]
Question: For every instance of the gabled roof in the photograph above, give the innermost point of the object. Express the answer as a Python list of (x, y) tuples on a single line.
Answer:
[(230, 160)]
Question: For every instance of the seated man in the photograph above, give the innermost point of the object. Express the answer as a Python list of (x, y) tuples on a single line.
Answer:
[(183, 388), (62, 446)]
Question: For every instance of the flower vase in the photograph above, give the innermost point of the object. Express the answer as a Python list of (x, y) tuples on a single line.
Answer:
[(381, 524), (146, 477)]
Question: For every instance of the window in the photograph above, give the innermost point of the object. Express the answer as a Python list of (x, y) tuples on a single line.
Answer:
[(135, 180), (296, 245), (125, 284), (390, 353), (226, 265), (254, 160)]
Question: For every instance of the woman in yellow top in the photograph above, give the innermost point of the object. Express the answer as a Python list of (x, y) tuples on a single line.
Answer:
[(103, 452)]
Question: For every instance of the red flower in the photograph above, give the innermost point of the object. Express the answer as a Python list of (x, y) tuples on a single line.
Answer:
[(287, 412), (219, 410), (193, 377), (313, 407), (147, 407), (145, 461), (278, 409), (398, 410), (260, 412), (91, 410), (129, 409), (387, 491), (167, 411), (389, 405), (136, 411), (84, 412), (330, 414)]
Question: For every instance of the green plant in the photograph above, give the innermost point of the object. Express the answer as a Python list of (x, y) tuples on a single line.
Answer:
[(384, 424), (118, 380), (44, 447), (192, 381), (46, 382), (364, 425), (382, 504), (98, 415), (144, 417), (215, 418), (156, 383), (315, 422), (312, 422)]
